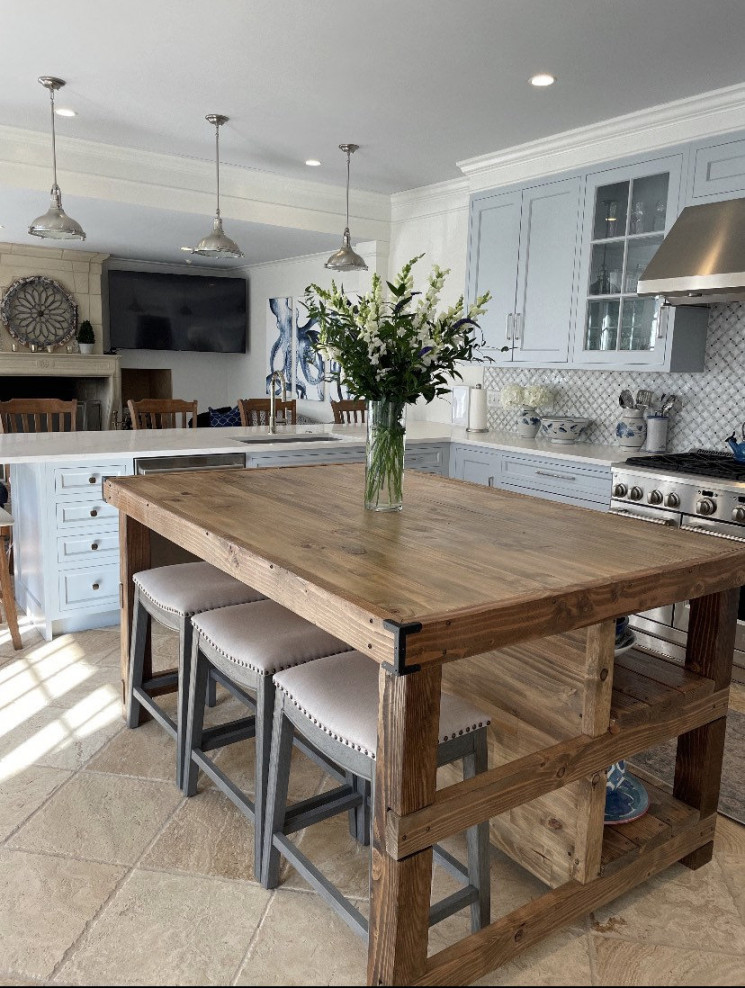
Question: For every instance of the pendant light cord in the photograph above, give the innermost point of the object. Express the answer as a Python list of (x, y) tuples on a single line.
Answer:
[(217, 166), (349, 156), (54, 142)]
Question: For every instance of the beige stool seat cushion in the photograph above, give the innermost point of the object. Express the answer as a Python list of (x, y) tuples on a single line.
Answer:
[(339, 694), (188, 588), (260, 639)]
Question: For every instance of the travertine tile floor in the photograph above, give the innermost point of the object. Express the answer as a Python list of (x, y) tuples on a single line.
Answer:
[(109, 876)]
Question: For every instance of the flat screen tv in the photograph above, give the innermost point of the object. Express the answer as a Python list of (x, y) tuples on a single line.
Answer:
[(155, 311)]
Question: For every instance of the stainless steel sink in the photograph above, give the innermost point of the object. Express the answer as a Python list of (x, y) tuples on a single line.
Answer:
[(301, 438)]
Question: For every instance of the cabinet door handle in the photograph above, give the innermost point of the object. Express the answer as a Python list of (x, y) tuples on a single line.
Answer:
[(660, 317), (557, 476), (94, 512), (490, 482), (518, 326), (508, 329), (94, 546), (95, 586)]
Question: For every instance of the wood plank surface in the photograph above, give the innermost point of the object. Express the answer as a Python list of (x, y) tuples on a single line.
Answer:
[(508, 937), (477, 567)]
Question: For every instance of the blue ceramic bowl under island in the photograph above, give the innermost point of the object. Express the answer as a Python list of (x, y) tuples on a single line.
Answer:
[(563, 428)]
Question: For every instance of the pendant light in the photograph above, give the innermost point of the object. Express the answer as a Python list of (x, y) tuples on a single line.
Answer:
[(55, 224), (216, 243), (345, 258)]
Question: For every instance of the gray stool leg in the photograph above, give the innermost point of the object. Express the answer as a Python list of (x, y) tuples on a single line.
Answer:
[(276, 797), (477, 840), (264, 711), (194, 718), (359, 817), (140, 627), (186, 635), (211, 692)]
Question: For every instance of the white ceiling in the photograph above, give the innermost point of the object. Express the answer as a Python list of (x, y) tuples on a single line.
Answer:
[(419, 84)]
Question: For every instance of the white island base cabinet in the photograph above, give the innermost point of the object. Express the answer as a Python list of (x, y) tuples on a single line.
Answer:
[(67, 545)]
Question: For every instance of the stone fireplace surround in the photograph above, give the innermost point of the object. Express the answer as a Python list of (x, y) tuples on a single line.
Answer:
[(63, 375)]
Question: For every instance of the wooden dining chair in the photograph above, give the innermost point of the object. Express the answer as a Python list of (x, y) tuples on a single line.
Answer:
[(162, 413), (349, 411), (255, 411), (6, 588), (38, 415)]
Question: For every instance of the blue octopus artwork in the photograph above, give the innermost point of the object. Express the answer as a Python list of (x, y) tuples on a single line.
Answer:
[(280, 354), (309, 376)]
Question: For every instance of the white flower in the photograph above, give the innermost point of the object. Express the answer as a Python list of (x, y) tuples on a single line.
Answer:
[(511, 396), (538, 395)]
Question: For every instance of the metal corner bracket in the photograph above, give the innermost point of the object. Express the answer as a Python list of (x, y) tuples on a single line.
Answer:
[(400, 632)]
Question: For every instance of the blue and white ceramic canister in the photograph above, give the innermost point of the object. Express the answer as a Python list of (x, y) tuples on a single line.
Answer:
[(528, 422), (631, 429)]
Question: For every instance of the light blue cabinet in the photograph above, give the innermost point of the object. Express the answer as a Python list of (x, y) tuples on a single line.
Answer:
[(627, 212), (717, 170), (478, 465), (522, 248)]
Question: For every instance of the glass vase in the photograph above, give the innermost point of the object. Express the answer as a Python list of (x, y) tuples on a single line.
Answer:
[(384, 455)]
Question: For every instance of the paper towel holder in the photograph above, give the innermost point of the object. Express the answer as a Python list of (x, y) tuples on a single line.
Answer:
[(477, 387)]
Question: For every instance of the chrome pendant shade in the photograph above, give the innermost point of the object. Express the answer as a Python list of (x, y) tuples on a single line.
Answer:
[(217, 243), (55, 224), (346, 258)]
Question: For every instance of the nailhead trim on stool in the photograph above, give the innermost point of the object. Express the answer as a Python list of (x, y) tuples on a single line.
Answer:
[(333, 704), (171, 595), (243, 646)]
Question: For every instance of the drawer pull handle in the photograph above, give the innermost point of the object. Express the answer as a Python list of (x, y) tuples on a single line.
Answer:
[(91, 480), (96, 586), (94, 512), (94, 546), (558, 476), (490, 482)]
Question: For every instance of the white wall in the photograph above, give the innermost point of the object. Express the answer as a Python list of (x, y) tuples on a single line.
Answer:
[(206, 377), (434, 221), (290, 278)]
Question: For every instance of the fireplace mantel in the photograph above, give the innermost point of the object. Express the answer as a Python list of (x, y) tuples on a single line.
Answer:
[(97, 375)]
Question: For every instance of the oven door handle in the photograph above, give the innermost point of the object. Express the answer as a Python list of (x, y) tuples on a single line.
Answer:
[(702, 528), (667, 522)]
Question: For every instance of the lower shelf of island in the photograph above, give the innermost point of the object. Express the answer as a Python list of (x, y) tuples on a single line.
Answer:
[(537, 696)]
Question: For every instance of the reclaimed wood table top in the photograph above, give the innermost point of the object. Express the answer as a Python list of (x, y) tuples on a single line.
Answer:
[(478, 568)]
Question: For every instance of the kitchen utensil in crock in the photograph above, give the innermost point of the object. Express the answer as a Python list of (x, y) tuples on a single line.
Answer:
[(643, 398), (627, 399)]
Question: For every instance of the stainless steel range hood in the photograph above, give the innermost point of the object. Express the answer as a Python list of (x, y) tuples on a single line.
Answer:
[(702, 259)]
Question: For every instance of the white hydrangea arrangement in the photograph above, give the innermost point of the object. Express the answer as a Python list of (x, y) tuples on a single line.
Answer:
[(530, 396)]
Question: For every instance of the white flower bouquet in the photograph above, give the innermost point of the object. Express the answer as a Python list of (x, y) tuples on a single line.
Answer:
[(511, 396), (538, 396)]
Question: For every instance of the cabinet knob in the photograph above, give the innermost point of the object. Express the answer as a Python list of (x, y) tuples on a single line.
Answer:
[(95, 586), (94, 546), (91, 480), (94, 512)]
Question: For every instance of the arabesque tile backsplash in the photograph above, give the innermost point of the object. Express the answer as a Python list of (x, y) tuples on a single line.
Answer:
[(713, 401)]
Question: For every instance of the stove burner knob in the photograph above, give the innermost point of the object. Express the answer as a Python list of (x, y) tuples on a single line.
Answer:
[(672, 501), (620, 490), (706, 506), (636, 493), (738, 514), (654, 497)]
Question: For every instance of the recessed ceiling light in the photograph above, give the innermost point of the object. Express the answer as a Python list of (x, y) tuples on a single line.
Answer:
[(542, 79), (312, 163), (65, 111)]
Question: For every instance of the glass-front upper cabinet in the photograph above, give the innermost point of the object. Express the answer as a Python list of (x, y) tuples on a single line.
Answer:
[(627, 213)]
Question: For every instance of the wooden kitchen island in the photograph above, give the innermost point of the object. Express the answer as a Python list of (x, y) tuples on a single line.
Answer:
[(507, 599)]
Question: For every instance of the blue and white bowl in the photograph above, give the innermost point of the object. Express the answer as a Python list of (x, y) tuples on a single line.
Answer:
[(563, 428)]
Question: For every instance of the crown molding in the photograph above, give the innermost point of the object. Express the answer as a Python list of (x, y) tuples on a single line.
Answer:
[(187, 184), (650, 129), (430, 200)]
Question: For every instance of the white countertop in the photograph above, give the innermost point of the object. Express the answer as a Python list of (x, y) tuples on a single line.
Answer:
[(84, 447)]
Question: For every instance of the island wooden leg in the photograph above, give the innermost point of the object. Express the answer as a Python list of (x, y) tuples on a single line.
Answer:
[(405, 780), (134, 555), (698, 762)]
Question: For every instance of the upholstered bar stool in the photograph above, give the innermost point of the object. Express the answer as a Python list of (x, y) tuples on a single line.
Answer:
[(242, 647), (171, 595), (333, 704)]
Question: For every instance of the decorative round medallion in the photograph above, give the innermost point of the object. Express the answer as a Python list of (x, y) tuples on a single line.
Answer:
[(39, 311)]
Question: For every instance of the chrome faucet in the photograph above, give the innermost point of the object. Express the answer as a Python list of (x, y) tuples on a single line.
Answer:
[(277, 375)]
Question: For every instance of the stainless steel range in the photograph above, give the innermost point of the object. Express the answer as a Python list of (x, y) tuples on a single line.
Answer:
[(702, 491)]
